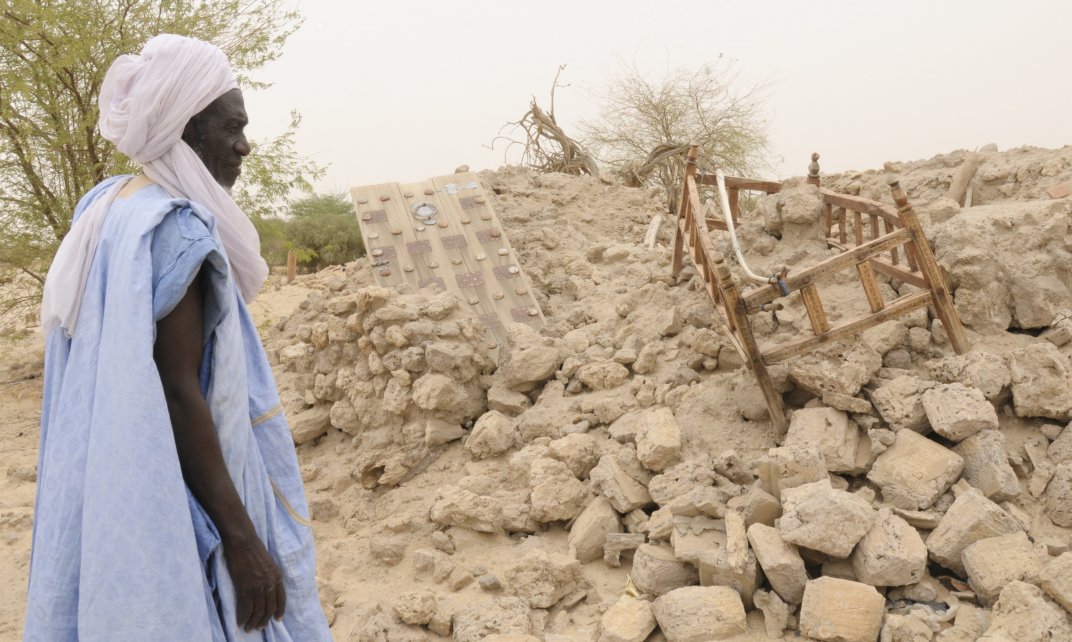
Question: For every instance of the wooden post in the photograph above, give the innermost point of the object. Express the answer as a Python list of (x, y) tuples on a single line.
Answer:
[(813, 170), (292, 265), (941, 297), (963, 178), (737, 313), (682, 210)]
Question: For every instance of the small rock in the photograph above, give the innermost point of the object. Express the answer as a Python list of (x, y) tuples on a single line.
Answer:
[(416, 607), (700, 613), (957, 412), (986, 465), (482, 618), (993, 562), (658, 439), (627, 620), (890, 554), (493, 434), (830, 431), (543, 579), (1056, 580), (824, 616), (588, 534), (781, 562), (657, 571), (775, 613), (915, 471), (823, 519), (1023, 612), (972, 517)]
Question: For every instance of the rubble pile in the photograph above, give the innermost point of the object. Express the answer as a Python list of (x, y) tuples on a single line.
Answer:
[(400, 374), (614, 476)]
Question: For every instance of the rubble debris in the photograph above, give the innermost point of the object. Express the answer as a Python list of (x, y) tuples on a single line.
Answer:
[(841, 611)]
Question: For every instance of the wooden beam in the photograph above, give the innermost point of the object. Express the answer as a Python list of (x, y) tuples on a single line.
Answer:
[(858, 204), (871, 291), (943, 300), (749, 184), (858, 221), (895, 309), (899, 272), (809, 294), (833, 264), (682, 211)]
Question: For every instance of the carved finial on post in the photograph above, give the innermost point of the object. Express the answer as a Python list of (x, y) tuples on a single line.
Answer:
[(813, 170)]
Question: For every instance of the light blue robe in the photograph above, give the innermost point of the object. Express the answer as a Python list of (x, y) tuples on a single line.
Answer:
[(121, 549)]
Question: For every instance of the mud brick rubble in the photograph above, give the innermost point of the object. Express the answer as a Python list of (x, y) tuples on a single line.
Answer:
[(613, 475)]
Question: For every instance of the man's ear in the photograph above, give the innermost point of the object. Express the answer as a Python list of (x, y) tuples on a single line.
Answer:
[(192, 133)]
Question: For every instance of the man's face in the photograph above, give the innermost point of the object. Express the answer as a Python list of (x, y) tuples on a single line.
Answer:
[(218, 136)]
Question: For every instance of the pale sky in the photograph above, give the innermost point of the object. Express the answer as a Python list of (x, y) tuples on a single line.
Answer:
[(403, 90)]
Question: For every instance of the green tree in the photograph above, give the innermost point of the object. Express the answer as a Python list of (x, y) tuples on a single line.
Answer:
[(645, 124), (323, 230), (53, 57)]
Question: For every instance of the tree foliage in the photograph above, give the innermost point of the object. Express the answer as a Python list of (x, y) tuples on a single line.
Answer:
[(53, 57), (644, 124), (321, 228)]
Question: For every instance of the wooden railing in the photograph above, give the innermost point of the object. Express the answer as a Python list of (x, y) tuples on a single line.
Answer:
[(872, 236)]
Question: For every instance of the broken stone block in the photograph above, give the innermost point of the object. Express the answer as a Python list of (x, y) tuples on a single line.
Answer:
[(830, 431), (1041, 382), (993, 562), (790, 466), (841, 611), (438, 432), (624, 429), (885, 336), (310, 424), (900, 403), (578, 451), (957, 412), (707, 500), (542, 578), (986, 465), (719, 567), (1056, 580), (493, 434), (527, 367), (700, 614), (1058, 495), (846, 403), (480, 619), (455, 506), (619, 542), (602, 375), (915, 471), (780, 561), (1060, 450), (692, 536), (905, 628), (627, 620), (775, 613), (680, 479), (756, 506), (1023, 612), (980, 370), (818, 517), (509, 402), (416, 607), (972, 517), (657, 571), (658, 439), (623, 492), (556, 494), (588, 534), (891, 554), (817, 373)]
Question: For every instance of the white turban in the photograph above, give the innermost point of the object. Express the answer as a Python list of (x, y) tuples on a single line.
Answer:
[(145, 103)]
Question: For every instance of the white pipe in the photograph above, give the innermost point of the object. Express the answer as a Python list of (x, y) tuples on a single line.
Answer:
[(727, 214)]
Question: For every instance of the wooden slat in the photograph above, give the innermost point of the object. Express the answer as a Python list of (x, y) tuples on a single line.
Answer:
[(899, 272), (894, 259), (809, 294), (859, 204), (842, 232), (734, 196), (858, 220), (829, 210), (833, 264), (893, 310), (737, 182), (875, 233), (871, 291)]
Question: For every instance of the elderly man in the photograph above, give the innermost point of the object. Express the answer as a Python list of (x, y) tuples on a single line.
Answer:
[(169, 501)]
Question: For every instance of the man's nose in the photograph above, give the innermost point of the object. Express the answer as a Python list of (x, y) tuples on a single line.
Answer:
[(242, 146)]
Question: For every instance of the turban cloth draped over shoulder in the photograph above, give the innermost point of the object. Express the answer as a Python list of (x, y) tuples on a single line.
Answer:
[(145, 102)]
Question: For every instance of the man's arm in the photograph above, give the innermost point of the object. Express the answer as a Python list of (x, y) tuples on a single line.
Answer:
[(179, 345)]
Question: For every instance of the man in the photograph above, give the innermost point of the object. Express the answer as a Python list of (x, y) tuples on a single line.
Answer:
[(169, 502)]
